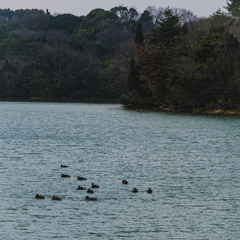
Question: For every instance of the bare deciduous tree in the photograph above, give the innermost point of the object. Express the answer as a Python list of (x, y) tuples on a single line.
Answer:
[(186, 16)]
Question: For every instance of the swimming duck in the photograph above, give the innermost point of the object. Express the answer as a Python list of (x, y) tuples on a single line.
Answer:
[(81, 188), (56, 198), (90, 191), (63, 166), (124, 182), (134, 190), (81, 178), (39, 197), (90, 199), (149, 190), (94, 186), (63, 175)]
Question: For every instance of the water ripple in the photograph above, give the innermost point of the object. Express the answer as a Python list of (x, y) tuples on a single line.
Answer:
[(191, 162)]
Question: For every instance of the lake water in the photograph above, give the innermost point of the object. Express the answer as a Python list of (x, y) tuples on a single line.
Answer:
[(191, 162)]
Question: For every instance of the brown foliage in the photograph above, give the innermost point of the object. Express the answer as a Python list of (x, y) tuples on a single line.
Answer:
[(151, 70)]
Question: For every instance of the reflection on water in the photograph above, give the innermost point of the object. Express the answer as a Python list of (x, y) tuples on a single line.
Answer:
[(190, 162)]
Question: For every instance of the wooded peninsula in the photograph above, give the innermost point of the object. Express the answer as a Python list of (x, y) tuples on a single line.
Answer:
[(164, 58)]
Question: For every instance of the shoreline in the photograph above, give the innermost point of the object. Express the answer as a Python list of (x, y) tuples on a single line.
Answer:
[(219, 112), (62, 100), (98, 100)]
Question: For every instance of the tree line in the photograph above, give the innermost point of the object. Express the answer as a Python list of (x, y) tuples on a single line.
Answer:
[(187, 66), (61, 55), (165, 58)]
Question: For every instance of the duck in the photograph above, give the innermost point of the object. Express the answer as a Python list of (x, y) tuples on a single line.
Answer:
[(39, 196), (64, 175), (134, 190), (90, 191), (124, 182), (90, 199), (81, 178), (149, 190), (94, 186), (81, 188), (64, 166), (56, 198)]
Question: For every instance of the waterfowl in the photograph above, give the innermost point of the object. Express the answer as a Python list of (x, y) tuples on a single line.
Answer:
[(94, 186), (134, 190), (39, 197), (81, 188), (81, 178), (90, 191), (63, 166), (56, 198), (64, 175), (149, 190), (124, 182), (90, 199)]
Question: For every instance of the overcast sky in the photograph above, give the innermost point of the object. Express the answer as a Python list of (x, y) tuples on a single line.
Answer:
[(83, 7)]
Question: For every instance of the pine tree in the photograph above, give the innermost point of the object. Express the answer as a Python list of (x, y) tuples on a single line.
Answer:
[(168, 28), (133, 76), (233, 6), (220, 18), (44, 39), (139, 35)]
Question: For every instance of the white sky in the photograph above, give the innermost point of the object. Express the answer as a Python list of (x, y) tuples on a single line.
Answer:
[(80, 7)]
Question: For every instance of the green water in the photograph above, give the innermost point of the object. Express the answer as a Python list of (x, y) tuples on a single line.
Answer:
[(190, 162)]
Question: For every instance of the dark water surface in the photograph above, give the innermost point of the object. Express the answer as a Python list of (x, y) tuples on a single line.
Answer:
[(191, 163)]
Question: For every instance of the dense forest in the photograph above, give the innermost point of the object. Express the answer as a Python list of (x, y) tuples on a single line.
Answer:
[(163, 58), (187, 66), (44, 55)]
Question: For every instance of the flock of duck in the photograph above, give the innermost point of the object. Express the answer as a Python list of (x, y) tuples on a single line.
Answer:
[(87, 198)]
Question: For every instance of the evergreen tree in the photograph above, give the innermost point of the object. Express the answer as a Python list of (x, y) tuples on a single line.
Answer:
[(139, 35), (233, 6), (220, 18), (44, 39), (168, 28), (147, 20), (3, 31), (133, 75)]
